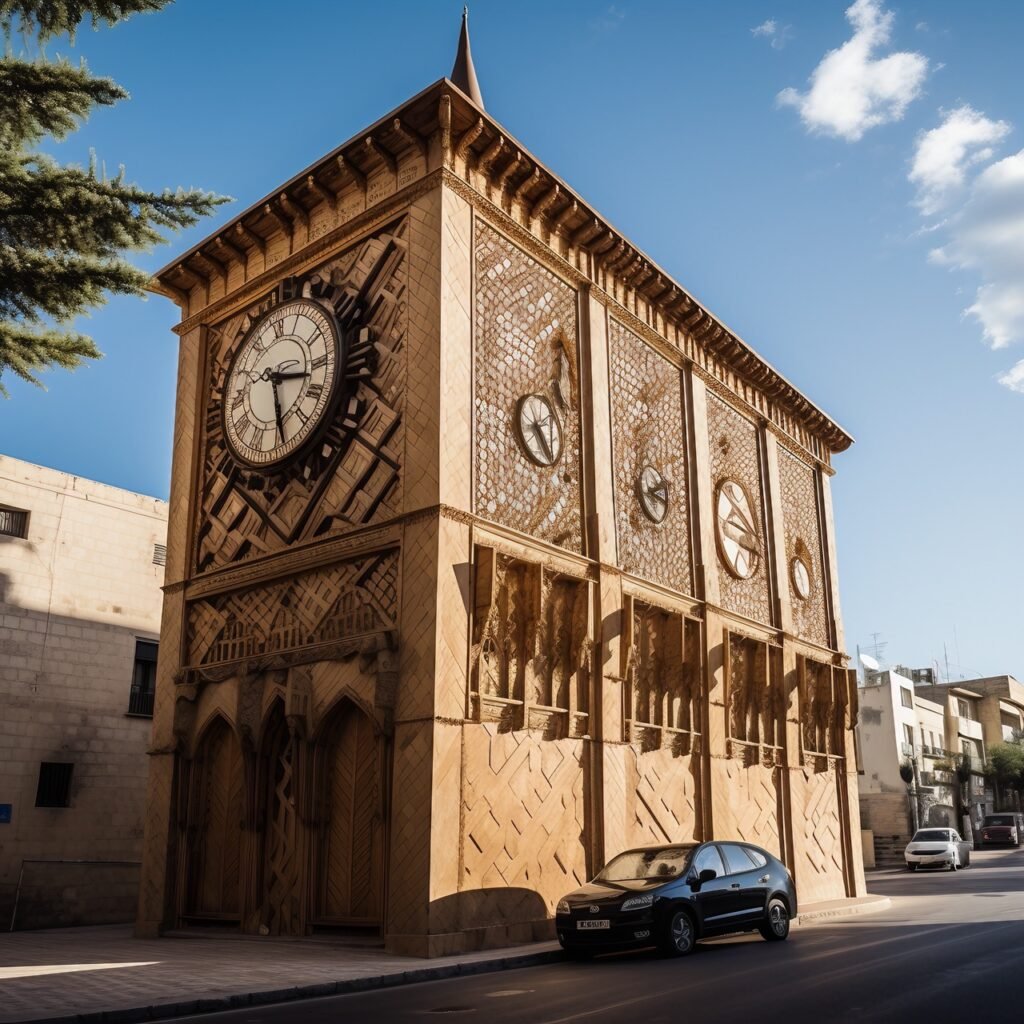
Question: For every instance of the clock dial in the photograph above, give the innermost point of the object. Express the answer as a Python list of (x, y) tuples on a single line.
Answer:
[(738, 543), (281, 383), (800, 576), (539, 430), (653, 491)]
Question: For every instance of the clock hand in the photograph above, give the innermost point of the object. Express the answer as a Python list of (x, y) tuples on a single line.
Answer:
[(539, 434), (277, 411), (278, 377)]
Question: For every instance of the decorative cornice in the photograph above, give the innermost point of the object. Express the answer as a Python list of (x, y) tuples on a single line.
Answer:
[(579, 237)]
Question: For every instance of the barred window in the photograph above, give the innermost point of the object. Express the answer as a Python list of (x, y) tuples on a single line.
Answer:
[(13, 522), (54, 789), (140, 699)]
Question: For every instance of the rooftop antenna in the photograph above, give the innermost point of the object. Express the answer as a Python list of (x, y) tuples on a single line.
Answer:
[(877, 647), (945, 654)]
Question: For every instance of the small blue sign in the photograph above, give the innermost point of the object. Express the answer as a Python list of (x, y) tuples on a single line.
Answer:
[(5, 814)]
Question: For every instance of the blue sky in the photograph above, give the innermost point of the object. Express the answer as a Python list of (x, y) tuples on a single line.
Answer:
[(837, 186)]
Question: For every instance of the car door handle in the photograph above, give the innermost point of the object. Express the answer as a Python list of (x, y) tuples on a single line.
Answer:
[(763, 878), (735, 885)]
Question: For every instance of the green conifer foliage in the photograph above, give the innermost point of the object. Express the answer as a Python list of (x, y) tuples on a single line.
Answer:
[(64, 228)]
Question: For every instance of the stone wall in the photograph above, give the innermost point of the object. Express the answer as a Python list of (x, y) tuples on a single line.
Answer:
[(74, 597)]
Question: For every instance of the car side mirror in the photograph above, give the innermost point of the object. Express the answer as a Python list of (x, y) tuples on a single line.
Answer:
[(707, 875)]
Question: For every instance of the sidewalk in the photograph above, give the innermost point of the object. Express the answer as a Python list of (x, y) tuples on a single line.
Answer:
[(103, 974)]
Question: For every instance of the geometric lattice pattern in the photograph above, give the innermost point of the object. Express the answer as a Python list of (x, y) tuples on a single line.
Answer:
[(648, 430), (735, 456), (525, 345), (753, 807), (332, 603), (823, 844), (663, 798), (523, 814), (803, 540), (350, 476)]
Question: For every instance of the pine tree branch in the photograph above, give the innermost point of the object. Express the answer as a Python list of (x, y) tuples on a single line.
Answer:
[(46, 206), (36, 284), (24, 351), (38, 98), (49, 18)]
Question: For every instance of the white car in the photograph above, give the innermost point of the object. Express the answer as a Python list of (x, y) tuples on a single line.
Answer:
[(937, 848)]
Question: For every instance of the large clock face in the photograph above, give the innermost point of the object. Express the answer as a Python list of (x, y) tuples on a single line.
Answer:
[(800, 575), (738, 542), (653, 491), (539, 430), (281, 383)]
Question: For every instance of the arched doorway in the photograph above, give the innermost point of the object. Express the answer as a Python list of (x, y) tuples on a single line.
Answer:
[(350, 854), (215, 833)]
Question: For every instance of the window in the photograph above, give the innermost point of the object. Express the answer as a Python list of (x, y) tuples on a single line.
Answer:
[(13, 522), (140, 700), (159, 554), (741, 858), (54, 789), (906, 697), (908, 734), (963, 709), (709, 857)]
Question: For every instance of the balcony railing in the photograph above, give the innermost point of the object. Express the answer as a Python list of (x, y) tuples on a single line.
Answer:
[(140, 702)]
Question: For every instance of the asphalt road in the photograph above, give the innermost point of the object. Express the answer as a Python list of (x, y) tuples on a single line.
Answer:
[(950, 945)]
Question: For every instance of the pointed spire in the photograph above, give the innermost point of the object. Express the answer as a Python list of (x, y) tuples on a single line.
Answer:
[(463, 73)]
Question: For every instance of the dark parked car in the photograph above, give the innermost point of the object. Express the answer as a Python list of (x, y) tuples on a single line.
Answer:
[(671, 896), (1002, 827)]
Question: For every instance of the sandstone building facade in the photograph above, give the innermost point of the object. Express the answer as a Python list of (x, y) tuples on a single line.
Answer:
[(492, 553), (81, 566)]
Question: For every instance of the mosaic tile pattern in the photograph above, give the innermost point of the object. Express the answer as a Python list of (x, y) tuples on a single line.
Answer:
[(802, 529), (734, 455), (648, 430), (525, 321)]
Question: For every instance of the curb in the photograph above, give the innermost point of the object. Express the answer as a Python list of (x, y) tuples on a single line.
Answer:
[(218, 1004), (869, 905)]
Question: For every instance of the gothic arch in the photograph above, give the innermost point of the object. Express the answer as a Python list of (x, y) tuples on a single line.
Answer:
[(350, 846), (214, 825)]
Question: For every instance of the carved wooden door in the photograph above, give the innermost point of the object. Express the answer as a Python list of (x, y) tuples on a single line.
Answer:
[(215, 838), (282, 858), (352, 846)]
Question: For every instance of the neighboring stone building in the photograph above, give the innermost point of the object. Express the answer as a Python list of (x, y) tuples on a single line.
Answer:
[(81, 566), (927, 727), (492, 553)]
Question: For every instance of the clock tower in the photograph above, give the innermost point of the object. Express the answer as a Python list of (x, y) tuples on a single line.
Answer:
[(492, 552)]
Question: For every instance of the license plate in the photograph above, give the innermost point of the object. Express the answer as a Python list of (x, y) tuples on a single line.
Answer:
[(598, 925)]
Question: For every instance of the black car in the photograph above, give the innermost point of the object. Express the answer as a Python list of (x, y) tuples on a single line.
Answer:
[(671, 896)]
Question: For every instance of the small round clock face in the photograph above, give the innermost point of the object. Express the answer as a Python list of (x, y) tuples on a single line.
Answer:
[(738, 543), (539, 430), (281, 383), (800, 575), (653, 491)]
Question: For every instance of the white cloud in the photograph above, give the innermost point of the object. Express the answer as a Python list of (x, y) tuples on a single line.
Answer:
[(942, 156), (987, 236), (852, 89), (1014, 378), (776, 34)]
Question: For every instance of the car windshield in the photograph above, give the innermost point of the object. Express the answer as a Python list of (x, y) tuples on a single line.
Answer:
[(998, 819), (931, 835), (641, 865)]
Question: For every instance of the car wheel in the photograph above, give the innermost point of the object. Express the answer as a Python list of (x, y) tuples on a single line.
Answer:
[(911, 867), (679, 936), (776, 924)]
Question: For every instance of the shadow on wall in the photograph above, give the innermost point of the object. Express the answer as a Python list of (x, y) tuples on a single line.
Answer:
[(500, 916), (75, 863)]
